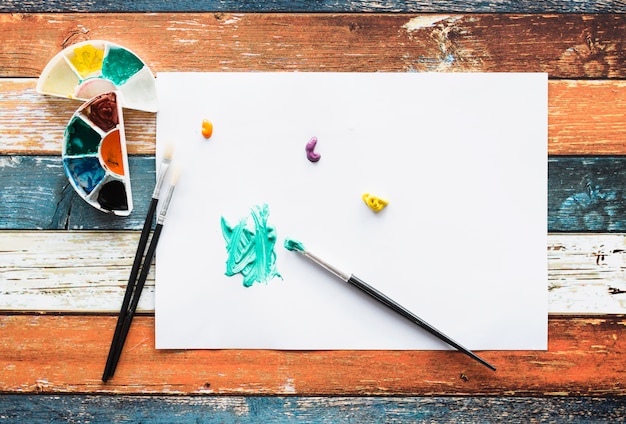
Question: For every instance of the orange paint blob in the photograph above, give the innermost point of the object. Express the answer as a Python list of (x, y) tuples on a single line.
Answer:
[(207, 128), (111, 152)]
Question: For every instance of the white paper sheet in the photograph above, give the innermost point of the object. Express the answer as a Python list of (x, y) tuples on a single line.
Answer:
[(461, 158)]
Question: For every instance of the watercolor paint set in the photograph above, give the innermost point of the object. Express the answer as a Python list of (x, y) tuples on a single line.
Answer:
[(87, 69), (94, 155), (108, 77)]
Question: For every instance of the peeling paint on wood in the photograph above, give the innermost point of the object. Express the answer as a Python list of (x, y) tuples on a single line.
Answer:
[(584, 194), (584, 118), (334, 6), (55, 409), (40, 355), (85, 271), (564, 46)]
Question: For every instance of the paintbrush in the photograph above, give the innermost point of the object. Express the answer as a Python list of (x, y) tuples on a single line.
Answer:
[(145, 268), (160, 220), (141, 248), (297, 246)]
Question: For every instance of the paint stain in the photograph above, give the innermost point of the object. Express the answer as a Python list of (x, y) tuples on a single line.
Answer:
[(207, 128), (374, 203), (119, 65), (311, 155), (250, 246)]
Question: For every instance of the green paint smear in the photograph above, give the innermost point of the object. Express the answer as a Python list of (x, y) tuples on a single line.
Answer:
[(251, 247), (119, 65), (293, 245)]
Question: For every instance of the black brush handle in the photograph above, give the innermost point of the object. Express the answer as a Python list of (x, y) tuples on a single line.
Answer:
[(382, 298), (109, 368), (147, 263)]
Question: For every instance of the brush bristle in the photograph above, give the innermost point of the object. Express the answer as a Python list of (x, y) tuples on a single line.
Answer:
[(293, 245), (168, 150)]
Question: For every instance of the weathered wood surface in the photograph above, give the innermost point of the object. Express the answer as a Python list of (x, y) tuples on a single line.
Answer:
[(584, 271), (478, 6), (564, 46), (66, 354), (84, 271), (54, 409), (42, 355), (36, 194), (584, 118), (584, 194)]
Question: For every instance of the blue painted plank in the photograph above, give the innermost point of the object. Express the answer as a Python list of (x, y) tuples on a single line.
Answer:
[(335, 6), (36, 194), (585, 194), (262, 409)]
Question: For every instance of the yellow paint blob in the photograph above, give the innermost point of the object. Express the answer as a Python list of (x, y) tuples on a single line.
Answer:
[(207, 128), (374, 203), (87, 59)]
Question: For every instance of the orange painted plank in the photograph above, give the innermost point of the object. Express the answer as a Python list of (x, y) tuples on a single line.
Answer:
[(565, 46), (48, 353), (584, 118)]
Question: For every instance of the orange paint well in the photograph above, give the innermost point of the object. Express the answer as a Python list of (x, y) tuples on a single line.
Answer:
[(111, 153)]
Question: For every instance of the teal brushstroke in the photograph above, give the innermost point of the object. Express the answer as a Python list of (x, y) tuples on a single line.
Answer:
[(251, 249)]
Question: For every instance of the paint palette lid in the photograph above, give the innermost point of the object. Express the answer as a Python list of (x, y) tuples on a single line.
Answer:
[(94, 155), (89, 68)]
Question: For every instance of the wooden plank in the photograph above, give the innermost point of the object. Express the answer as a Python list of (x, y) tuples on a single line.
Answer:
[(121, 409), (68, 271), (31, 123), (66, 354), (83, 271), (584, 194), (586, 272), (36, 194), (584, 118), (423, 6), (565, 46)]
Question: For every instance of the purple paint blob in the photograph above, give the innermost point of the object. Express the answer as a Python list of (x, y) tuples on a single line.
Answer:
[(310, 153)]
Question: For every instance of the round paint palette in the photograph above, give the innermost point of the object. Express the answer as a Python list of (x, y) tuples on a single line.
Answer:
[(87, 69), (94, 155)]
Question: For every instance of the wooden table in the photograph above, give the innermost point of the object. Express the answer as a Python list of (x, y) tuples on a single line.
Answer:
[(64, 266)]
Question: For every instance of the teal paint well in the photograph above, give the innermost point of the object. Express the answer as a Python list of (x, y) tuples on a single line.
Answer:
[(81, 139), (119, 65)]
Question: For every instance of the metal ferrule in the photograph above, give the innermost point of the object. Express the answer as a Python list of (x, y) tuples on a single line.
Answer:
[(328, 267), (165, 203), (161, 177)]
